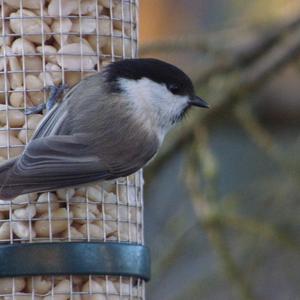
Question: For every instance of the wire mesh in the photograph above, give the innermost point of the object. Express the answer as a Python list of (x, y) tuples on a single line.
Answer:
[(45, 43)]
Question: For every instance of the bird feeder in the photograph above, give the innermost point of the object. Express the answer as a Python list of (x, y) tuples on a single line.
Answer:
[(79, 242)]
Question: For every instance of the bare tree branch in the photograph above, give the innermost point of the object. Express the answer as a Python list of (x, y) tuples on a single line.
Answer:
[(247, 81), (205, 210), (191, 43), (267, 37)]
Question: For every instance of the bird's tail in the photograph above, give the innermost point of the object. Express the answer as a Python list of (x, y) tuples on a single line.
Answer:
[(6, 191)]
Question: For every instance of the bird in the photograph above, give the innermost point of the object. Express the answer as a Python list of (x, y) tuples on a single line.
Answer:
[(109, 125)]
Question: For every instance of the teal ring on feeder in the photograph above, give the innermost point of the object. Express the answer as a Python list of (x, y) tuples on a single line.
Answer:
[(75, 258)]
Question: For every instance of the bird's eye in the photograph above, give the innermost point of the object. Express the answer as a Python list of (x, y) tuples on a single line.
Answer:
[(173, 88)]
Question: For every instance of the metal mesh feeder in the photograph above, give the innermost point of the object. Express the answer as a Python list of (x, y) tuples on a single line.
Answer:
[(74, 243)]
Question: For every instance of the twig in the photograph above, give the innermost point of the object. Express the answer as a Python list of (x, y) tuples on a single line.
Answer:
[(250, 79), (255, 227), (223, 60), (231, 269), (191, 43), (263, 139), (265, 40), (204, 209)]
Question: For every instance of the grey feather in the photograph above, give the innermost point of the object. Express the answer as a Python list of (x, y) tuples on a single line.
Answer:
[(87, 137)]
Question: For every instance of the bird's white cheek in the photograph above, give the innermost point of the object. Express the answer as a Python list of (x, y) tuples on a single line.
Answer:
[(178, 105), (154, 103)]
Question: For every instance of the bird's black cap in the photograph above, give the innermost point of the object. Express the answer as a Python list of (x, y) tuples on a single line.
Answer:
[(156, 70)]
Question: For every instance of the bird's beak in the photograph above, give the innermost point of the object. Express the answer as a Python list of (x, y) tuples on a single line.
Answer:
[(197, 101)]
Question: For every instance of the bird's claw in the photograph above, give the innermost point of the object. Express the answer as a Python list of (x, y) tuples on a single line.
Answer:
[(35, 109), (54, 93)]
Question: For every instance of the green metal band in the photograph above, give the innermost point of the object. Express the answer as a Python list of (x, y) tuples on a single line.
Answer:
[(75, 258)]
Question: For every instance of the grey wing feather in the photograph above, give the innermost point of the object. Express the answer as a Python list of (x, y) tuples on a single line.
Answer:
[(51, 163), (51, 123)]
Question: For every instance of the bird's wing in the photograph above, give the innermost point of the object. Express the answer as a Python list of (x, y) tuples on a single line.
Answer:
[(63, 152), (54, 162), (51, 123), (47, 124)]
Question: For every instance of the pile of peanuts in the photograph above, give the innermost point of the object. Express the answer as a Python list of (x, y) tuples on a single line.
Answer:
[(53, 42), (107, 211), (61, 287), (45, 43)]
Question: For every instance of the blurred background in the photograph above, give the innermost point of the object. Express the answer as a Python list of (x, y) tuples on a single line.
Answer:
[(222, 202)]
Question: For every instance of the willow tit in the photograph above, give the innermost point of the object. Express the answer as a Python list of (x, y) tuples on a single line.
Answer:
[(109, 125)]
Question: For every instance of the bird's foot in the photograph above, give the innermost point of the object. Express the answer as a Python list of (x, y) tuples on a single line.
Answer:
[(54, 93), (35, 109)]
